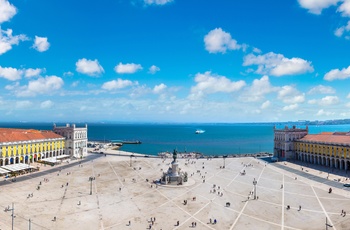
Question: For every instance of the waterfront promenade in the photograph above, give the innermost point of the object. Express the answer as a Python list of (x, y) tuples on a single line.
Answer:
[(122, 191)]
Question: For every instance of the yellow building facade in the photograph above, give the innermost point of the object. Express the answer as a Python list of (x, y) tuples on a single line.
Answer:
[(28, 146), (327, 149), (330, 149)]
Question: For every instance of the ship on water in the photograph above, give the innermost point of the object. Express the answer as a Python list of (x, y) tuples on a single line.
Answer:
[(199, 131)]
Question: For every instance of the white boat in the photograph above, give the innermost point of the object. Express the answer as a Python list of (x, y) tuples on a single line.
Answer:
[(199, 131)]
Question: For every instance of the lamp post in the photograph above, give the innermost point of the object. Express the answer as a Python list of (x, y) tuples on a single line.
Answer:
[(13, 214), (91, 179), (254, 183)]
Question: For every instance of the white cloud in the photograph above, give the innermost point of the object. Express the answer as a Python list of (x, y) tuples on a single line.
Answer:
[(159, 88), (42, 85), (68, 74), (259, 88), (33, 72), (89, 67), (46, 104), (265, 105), (321, 112), (277, 64), (290, 107), (341, 30), (329, 100), (157, 2), (7, 11), (322, 89), (127, 68), (337, 74), (117, 84), (7, 40), (348, 96), (10, 73), (290, 95), (153, 69), (41, 44), (256, 50), (316, 6), (219, 41), (23, 104), (208, 83), (325, 101), (344, 8)]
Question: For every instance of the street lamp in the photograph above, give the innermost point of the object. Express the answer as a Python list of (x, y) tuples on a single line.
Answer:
[(254, 183), (13, 214), (91, 179), (131, 160)]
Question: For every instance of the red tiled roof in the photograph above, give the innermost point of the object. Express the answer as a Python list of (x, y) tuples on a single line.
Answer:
[(11, 135), (336, 138)]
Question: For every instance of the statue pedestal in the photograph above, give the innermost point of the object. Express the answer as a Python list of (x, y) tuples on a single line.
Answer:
[(174, 169)]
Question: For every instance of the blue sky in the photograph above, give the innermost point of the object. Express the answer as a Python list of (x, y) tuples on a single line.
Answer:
[(174, 60)]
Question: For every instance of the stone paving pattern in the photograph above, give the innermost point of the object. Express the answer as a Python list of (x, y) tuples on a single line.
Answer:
[(121, 193)]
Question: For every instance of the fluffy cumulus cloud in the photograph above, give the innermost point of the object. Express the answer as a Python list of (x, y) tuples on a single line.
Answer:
[(290, 107), (322, 89), (316, 6), (14, 74), (7, 40), (127, 68), (290, 95), (329, 100), (335, 74), (41, 44), (89, 67), (277, 64), (159, 88), (258, 89), (344, 8), (153, 69), (28, 73), (46, 104), (342, 30), (209, 83), (42, 85), (322, 112), (11, 74), (7, 11), (219, 41), (265, 105), (117, 84), (157, 2)]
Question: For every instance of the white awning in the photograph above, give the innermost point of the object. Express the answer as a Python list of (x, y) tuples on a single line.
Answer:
[(16, 167), (50, 159), (63, 156), (3, 171)]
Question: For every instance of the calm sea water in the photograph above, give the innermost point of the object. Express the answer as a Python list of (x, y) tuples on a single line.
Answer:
[(218, 139)]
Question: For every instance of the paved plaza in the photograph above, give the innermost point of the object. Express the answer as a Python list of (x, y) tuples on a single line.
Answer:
[(123, 192)]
